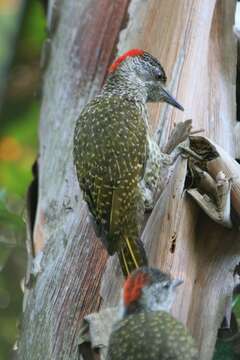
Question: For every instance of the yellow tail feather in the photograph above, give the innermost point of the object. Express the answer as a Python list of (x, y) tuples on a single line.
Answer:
[(125, 262), (131, 255), (131, 252)]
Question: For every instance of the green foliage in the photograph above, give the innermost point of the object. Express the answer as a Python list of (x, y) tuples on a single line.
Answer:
[(224, 351), (236, 306), (8, 29), (32, 31), (9, 221), (22, 129), (18, 150), (12, 260), (226, 348)]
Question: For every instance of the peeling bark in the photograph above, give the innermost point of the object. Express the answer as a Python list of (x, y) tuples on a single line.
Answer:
[(195, 43)]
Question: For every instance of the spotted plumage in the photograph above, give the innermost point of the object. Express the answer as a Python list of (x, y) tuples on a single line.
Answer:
[(113, 154), (147, 331), (110, 165), (151, 336)]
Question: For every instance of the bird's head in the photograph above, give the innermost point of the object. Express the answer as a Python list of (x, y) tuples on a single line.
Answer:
[(148, 289), (145, 72)]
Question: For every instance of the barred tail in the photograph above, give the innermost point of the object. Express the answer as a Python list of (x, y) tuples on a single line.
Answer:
[(131, 255)]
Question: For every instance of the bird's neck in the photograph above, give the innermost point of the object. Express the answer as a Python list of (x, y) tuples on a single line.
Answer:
[(131, 309), (143, 306), (137, 309), (124, 83)]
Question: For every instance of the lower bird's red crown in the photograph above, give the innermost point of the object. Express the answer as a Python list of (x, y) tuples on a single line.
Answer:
[(133, 287)]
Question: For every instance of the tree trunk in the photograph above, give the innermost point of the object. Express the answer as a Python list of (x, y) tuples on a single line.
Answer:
[(193, 40)]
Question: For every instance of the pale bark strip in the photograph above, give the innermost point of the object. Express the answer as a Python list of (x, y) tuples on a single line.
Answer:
[(69, 260), (194, 42)]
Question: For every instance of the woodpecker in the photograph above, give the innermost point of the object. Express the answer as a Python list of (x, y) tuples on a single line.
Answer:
[(146, 330), (117, 163)]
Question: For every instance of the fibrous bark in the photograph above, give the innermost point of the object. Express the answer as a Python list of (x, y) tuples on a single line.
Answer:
[(69, 260)]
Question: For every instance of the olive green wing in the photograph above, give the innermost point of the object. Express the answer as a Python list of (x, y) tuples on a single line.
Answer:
[(109, 155)]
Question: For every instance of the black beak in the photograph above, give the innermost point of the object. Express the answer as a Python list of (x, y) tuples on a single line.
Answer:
[(170, 100), (177, 282)]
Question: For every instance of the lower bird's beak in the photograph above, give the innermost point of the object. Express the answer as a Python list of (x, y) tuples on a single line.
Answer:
[(177, 282), (170, 100)]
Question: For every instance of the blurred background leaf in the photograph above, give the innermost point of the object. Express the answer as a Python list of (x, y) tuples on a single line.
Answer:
[(228, 342), (22, 31)]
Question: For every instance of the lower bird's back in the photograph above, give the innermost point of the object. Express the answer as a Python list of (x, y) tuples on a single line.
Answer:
[(151, 336)]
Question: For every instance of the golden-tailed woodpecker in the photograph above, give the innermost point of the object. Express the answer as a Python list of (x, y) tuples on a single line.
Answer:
[(146, 330), (117, 163)]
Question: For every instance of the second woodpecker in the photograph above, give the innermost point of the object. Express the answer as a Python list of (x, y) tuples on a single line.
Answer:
[(146, 330), (114, 155)]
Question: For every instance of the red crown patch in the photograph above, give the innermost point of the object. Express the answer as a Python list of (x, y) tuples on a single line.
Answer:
[(120, 59), (133, 286)]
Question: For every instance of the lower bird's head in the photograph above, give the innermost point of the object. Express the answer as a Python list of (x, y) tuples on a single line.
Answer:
[(148, 289), (145, 73)]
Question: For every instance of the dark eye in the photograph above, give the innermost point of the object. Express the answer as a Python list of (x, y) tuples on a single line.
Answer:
[(166, 285), (159, 76)]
